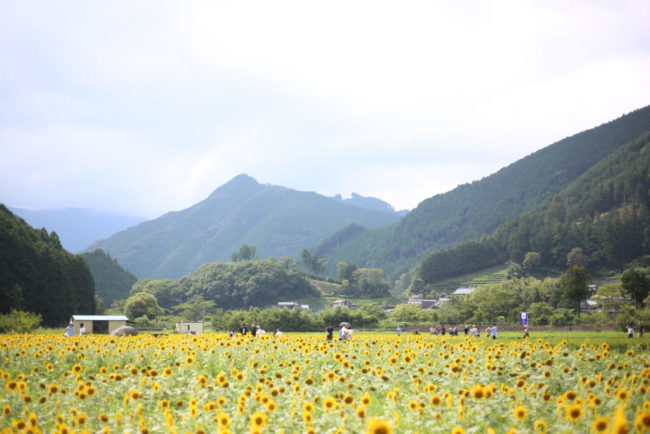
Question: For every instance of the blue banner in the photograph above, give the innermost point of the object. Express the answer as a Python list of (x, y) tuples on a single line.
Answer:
[(524, 319)]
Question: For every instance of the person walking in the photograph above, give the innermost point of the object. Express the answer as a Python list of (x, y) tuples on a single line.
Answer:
[(494, 331), (69, 330), (343, 333)]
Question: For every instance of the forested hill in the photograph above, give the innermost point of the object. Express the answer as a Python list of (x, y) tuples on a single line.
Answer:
[(473, 210), (112, 281), (38, 275), (602, 220), (278, 221)]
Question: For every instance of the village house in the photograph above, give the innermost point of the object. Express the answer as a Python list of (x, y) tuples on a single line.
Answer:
[(344, 303)]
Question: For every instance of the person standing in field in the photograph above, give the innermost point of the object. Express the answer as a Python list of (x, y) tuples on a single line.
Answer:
[(398, 330), (641, 330), (494, 331), (243, 330), (330, 331), (82, 329), (630, 331)]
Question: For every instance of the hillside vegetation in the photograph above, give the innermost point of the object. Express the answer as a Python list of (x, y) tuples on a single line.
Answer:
[(602, 220), (37, 275), (278, 221), (112, 281), (478, 209), (258, 283)]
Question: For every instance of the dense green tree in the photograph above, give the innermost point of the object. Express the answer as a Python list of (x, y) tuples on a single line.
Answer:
[(576, 257), (417, 286), (574, 285), (313, 263), (260, 282), (491, 302), (372, 311), (628, 315), (344, 271), (168, 292), (19, 322), (539, 313), (245, 253), (142, 304), (636, 284), (562, 317), (195, 309), (370, 282), (531, 262), (411, 314)]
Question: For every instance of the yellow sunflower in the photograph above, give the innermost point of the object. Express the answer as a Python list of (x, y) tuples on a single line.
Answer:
[(377, 425)]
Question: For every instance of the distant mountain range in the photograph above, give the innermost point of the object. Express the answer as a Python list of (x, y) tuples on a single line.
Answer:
[(278, 221), (77, 228), (471, 211)]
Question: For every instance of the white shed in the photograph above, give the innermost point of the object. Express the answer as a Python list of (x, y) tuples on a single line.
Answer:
[(193, 327), (103, 324)]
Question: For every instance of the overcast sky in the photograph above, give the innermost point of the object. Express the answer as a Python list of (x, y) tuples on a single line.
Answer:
[(144, 107)]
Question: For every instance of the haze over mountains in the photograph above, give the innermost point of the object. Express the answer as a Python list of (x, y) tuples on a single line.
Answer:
[(77, 228)]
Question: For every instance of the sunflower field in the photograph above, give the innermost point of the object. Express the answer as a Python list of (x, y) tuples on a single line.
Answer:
[(375, 383)]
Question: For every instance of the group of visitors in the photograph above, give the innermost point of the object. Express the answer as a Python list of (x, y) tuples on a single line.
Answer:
[(441, 330), (490, 331), (345, 332), (630, 331), (255, 330), (69, 330)]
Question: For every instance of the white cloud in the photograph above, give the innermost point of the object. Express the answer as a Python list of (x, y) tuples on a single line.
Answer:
[(149, 106)]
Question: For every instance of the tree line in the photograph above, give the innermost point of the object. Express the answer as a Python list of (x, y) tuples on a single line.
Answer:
[(39, 276)]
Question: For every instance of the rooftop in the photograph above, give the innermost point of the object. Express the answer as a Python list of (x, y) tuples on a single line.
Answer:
[(100, 318)]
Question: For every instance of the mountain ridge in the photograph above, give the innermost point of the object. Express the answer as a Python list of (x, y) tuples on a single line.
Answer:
[(279, 221), (476, 209)]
